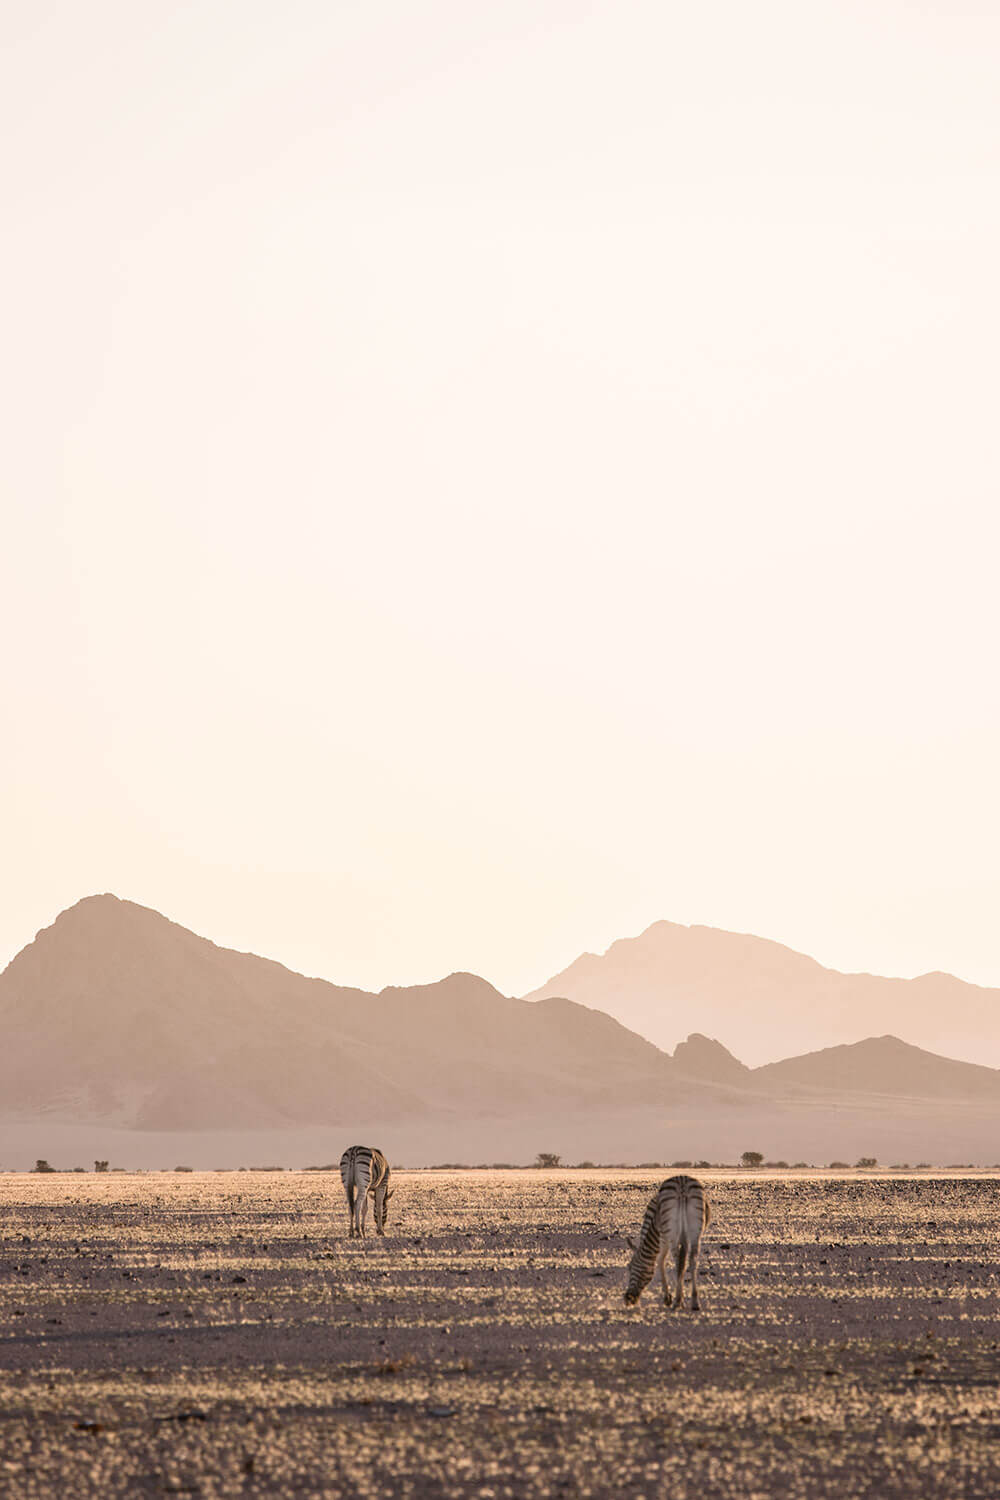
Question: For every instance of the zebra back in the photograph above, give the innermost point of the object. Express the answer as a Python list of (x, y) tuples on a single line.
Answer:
[(682, 1210), (677, 1213), (363, 1169)]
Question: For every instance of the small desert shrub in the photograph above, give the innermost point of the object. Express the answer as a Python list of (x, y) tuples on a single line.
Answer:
[(838, 1166), (393, 1366)]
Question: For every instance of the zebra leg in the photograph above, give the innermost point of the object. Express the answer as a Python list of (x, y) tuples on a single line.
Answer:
[(663, 1275), (682, 1251), (364, 1215), (694, 1279), (380, 1208), (349, 1188)]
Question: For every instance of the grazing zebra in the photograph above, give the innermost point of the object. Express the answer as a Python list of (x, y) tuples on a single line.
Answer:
[(671, 1229), (365, 1171)]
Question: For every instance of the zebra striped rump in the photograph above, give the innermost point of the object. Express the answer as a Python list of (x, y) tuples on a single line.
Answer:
[(671, 1232), (365, 1174)]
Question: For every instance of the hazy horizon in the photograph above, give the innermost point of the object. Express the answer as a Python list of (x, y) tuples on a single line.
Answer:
[(763, 1001), (118, 1019), (484, 479), (376, 987), (481, 481)]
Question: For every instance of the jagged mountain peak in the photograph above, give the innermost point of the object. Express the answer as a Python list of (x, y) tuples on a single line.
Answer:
[(114, 1013), (768, 1000), (704, 1057)]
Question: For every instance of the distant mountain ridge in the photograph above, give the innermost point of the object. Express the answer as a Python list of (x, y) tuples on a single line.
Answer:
[(766, 1000), (120, 1024), (884, 1065), (878, 1066), (116, 1014)]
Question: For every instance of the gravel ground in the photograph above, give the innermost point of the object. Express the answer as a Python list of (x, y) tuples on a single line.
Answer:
[(217, 1334)]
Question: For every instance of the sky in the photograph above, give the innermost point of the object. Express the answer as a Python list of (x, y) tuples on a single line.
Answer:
[(479, 479)]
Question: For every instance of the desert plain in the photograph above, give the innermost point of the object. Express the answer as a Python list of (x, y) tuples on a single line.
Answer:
[(217, 1334)]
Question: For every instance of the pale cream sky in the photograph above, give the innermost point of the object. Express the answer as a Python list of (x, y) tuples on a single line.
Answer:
[(481, 477)]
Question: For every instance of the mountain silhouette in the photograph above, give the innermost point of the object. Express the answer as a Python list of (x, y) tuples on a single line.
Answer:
[(767, 1001), (883, 1065), (878, 1066), (124, 1032), (703, 1057), (116, 1014)]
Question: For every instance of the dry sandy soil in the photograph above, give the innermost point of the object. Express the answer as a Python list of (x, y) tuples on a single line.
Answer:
[(218, 1334)]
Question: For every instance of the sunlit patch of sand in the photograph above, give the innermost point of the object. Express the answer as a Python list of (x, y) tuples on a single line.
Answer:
[(218, 1334)]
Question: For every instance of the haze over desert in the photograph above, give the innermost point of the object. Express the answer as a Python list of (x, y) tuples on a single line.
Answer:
[(499, 729), (129, 1037)]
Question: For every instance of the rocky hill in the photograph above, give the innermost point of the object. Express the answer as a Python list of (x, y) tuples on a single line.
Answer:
[(883, 1065), (878, 1066), (116, 1015), (127, 1036), (767, 1001)]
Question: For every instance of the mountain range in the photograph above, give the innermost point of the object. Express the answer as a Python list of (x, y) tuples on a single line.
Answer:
[(122, 1027), (766, 1000), (116, 1014)]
